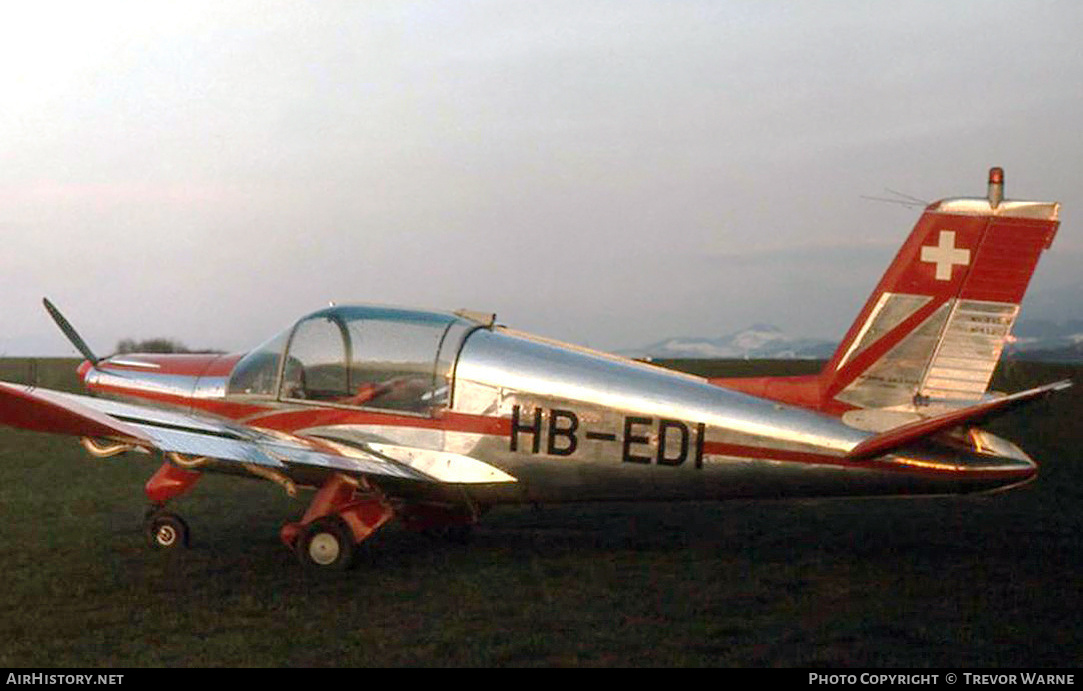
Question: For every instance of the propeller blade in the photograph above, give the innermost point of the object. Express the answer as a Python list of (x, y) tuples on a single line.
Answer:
[(70, 332)]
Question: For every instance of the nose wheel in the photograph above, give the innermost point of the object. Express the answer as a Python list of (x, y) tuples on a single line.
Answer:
[(165, 530)]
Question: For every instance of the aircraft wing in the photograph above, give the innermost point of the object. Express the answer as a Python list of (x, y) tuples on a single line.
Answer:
[(914, 431), (149, 428)]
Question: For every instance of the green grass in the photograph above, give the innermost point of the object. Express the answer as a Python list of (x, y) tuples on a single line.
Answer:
[(989, 581)]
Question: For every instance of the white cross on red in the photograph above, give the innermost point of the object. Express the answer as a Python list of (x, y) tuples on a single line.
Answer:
[(945, 255)]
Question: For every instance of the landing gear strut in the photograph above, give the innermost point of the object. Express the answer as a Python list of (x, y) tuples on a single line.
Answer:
[(343, 513), (163, 529)]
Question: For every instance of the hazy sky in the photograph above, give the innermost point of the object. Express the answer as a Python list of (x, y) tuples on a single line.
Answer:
[(607, 173)]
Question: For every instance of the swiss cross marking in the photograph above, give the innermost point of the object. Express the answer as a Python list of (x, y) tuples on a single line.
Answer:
[(945, 255)]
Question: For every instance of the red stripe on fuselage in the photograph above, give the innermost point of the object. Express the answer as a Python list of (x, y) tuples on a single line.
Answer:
[(763, 453), (299, 419), (216, 406), (305, 417)]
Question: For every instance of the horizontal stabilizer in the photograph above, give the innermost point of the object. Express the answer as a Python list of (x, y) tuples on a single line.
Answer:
[(973, 415)]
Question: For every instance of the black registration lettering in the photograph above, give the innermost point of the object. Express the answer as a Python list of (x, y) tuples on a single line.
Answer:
[(666, 443), (676, 439), (562, 431), (629, 438), (701, 431), (534, 429)]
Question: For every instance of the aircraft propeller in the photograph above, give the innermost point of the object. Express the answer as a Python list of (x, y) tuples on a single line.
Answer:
[(71, 333)]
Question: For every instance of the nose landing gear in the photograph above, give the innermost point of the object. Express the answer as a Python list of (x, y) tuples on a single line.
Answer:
[(165, 530)]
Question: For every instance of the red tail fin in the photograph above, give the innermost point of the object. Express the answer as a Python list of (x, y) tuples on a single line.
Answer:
[(935, 326)]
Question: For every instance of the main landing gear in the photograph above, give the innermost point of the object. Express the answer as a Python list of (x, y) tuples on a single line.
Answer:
[(344, 512), (326, 543)]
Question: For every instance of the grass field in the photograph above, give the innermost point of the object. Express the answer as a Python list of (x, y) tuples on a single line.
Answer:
[(981, 581)]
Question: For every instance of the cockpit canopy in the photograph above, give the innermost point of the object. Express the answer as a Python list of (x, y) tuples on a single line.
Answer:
[(373, 357)]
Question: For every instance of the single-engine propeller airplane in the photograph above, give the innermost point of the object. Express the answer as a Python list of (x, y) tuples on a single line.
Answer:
[(433, 417)]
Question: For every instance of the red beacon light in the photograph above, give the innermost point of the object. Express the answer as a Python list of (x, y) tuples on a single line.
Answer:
[(996, 186)]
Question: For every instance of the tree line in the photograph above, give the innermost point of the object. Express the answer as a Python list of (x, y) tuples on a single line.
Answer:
[(158, 345)]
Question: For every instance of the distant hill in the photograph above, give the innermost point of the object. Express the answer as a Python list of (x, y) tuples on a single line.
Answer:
[(1047, 340), (756, 342), (1035, 339), (1068, 353)]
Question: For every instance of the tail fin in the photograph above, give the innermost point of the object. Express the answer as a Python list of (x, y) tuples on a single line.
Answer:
[(935, 326)]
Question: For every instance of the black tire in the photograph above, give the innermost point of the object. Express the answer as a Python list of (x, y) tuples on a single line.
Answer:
[(166, 530), (326, 544)]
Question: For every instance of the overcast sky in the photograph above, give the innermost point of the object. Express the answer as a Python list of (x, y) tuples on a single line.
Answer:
[(608, 173)]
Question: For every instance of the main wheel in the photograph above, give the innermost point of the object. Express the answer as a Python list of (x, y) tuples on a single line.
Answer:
[(326, 544), (166, 530)]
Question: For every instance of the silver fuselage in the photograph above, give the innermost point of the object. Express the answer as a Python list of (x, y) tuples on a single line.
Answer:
[(588, 426)]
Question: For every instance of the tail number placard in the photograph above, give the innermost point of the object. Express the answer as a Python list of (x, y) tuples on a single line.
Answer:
[(641, 439)]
